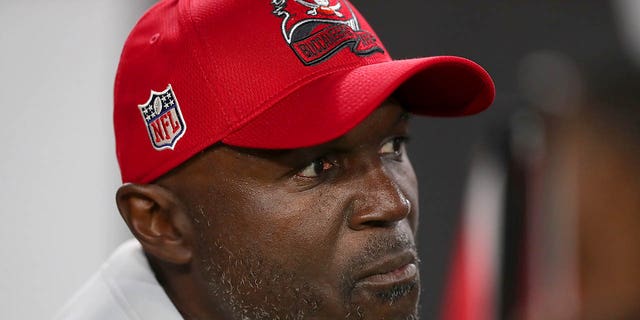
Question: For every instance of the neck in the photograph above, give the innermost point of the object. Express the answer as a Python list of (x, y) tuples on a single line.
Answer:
[(185, 290)]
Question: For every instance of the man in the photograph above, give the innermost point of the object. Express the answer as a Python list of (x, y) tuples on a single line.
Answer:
[(262, 147)]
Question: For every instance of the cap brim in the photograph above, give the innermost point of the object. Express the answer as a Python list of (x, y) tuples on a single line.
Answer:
[(331, 105)]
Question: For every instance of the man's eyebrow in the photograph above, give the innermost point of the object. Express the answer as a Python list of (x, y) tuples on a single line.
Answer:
[(405, 116), (402, 120)]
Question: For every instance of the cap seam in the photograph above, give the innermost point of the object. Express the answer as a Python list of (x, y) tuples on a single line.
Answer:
[(195, 52)]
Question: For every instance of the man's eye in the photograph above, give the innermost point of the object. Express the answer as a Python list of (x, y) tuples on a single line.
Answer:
[(393, 147), (316, 168)]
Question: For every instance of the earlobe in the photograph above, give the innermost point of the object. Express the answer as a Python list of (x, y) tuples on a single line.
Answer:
[(157, 218)]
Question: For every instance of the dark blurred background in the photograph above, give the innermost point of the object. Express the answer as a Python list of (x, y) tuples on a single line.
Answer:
[(502, 36)]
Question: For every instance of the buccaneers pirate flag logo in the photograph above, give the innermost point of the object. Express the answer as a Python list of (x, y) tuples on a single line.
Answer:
[(161, 114), (316, 29)]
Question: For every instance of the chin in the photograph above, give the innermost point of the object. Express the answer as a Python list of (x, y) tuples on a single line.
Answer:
[(397, 302)]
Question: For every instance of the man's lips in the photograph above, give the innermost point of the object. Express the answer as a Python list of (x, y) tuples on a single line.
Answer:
[(390, 270)]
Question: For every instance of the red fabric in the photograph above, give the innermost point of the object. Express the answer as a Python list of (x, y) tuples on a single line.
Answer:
[(270, 74)]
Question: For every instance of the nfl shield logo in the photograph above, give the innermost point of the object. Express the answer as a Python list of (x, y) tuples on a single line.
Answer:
[(162, 116)]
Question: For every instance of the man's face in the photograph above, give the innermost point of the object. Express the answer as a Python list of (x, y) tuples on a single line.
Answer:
[(326, 232)]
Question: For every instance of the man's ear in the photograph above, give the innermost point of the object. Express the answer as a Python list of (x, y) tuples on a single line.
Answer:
[(158, 219)]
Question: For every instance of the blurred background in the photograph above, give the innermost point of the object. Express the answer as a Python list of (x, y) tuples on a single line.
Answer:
[(530, 210)]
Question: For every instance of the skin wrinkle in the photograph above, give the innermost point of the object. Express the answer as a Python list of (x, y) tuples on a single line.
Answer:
[(268, 244)]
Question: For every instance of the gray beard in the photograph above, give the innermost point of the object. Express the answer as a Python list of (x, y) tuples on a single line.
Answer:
[(301, 299), (259, 277)]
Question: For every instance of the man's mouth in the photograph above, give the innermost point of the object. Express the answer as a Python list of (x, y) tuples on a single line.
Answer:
[(391, 270)]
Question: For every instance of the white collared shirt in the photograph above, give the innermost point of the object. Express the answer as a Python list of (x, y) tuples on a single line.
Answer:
[(124, 288)]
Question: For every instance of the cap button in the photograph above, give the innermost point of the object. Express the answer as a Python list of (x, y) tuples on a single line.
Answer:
[(154, 38)]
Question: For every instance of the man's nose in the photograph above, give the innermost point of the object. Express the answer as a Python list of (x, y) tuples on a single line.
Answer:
[(378, 201)]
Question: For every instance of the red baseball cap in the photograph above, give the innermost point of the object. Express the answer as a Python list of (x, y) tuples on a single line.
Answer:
[(274, 74)]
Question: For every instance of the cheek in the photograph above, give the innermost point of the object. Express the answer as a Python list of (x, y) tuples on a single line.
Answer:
[(291, 229), (253, 243), (302, 229)]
